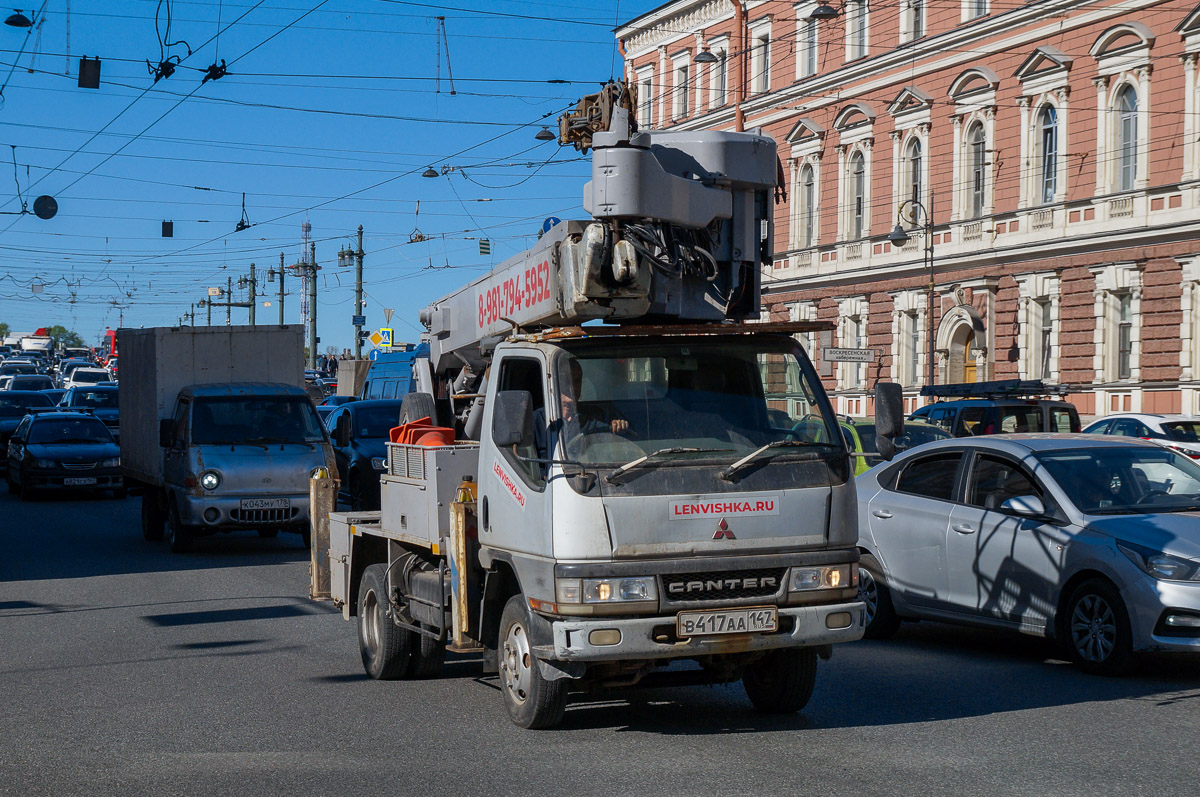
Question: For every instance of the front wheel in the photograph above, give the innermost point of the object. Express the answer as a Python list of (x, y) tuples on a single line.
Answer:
[(178, 535), (531, 700), (1097, 629), (882, 621), (782, 681), (386, 648)]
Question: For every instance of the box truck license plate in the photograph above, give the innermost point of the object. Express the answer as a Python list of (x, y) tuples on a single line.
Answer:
[(727, 621), (79, 481), (266, 503)]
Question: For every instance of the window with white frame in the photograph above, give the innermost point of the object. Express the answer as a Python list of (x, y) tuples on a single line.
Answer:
[(973, 9), (1118, 301), (1125, 137), (856, 195), (1045, 328), (806, 50), (718, 77), (852, 334), (680, 88), (807, 198), (645, 80), (856, 29), (976, 169), (908, 337), (804, 311), (912, 174), (912, 24), (1038, 325), (760, 59), (1047, 139)]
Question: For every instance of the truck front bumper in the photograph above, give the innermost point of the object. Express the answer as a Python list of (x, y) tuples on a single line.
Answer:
[(226, 512), (644, 637)]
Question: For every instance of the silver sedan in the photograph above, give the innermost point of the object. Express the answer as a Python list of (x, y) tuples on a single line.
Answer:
[(1092, 541)]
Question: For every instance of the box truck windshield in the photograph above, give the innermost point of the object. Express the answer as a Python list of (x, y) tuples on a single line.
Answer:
[(254, 419)]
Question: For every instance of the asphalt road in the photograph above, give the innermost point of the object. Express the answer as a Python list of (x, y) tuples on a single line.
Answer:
[(125, 669)]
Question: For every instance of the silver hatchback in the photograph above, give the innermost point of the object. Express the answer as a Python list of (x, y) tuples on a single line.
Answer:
[(1092, 541)]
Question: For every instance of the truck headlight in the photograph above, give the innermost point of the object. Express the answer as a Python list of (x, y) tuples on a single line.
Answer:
[(805, 579), (636, 589), (1161, 565), (112, 462), (379, 463), (210, 480)]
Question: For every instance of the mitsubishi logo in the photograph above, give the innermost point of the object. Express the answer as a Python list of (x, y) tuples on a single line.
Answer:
[(723, 532)]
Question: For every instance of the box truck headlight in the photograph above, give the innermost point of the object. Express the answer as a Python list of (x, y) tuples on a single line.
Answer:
[(637, 589), (805, 579), (210, 480)]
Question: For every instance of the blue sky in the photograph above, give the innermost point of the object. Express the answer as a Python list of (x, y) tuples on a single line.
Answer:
[(331, 113)]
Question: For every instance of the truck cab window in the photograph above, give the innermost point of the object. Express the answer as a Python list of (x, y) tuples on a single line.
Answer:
[(181, 425), (523, 373)]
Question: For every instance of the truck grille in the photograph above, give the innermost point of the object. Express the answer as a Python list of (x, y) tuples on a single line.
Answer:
[(263, 515), (722, 585)]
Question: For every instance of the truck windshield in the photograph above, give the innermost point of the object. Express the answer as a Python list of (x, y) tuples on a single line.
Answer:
[(254, 419), (624, 399)]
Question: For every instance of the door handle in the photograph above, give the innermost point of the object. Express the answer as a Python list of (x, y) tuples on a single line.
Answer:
[(963, 528), (881, 513)]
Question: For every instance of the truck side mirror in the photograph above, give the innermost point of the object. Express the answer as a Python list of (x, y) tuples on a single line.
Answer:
[(889, 417), (166, 432), (341, 432), (512, 418)]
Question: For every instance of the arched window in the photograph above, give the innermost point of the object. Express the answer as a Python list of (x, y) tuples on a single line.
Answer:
[(858, 194), (1127, 124), (912, 173), (976, 159), (808, 199), (1048, 143)]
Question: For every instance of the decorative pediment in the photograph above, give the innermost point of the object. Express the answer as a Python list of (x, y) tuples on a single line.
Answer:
[(854, 115), (1121, 38), (1190, 24), (805, 130), (1043, 61), (910, 99), (978, 78)]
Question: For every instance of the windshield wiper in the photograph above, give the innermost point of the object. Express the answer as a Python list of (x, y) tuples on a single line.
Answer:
[(628, 466), (728, 473), (280, 440)]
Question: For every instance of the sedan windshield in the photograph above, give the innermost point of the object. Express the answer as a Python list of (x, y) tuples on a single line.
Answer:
[(69, 430), (255, 419), (1129, 481), (15, 406), (702, 398)]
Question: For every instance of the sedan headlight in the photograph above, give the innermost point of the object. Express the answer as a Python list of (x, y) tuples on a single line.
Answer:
[(379, 463), (45, 463), (805, 579), (1161, 565), (606, 590), (113, 462), (210, 480)]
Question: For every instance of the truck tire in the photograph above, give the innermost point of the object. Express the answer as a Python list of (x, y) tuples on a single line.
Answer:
[(782, 681), (178, 535), (1097, 633), (415, 406), (882, 621), (531, 700), (152, 516), (427, 656), (386, 648)]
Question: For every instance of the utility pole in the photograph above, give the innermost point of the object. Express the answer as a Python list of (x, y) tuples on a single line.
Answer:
[(358, 300), (251, 283), (208, 304), (312, 305), (228, 301), (281, 289)]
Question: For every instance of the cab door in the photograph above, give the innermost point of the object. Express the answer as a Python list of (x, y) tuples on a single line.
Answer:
[(175, 459), (1003, 566), (514, 501)]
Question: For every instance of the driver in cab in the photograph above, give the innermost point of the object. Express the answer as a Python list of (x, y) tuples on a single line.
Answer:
[(576, 421)]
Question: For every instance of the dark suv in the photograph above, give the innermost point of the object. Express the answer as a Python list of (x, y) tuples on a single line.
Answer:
[(998, 408)]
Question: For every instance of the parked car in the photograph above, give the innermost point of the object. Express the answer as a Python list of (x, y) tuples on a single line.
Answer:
[(1178, 432), (1093, 541), (983, 416), (100, 400), (15, 405), (63, 451), (31, 382), (860, 439), (359, 431), (86, 377)]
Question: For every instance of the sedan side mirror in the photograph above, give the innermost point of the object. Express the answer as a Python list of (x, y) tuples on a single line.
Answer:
[(1025, 506), (889, 417)]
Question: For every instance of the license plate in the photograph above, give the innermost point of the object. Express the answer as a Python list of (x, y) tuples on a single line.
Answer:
[(266, 503), (78, 481), (727, 621)]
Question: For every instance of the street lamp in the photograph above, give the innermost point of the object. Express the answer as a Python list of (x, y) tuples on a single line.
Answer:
[(823, 11), (704, 57), (545, 135), (898, 237)]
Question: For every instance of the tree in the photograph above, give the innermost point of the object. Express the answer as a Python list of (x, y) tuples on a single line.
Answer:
[(4, 330), (63, 337)]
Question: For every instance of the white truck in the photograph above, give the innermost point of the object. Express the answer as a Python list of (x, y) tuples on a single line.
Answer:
[(42, 344), (217, 432), (602, 501)]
